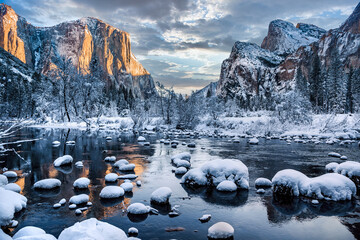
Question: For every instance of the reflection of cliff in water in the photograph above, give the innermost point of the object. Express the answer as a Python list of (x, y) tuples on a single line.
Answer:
[(280, 209)]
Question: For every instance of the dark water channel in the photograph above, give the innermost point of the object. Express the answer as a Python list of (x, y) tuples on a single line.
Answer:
[(253, 216)]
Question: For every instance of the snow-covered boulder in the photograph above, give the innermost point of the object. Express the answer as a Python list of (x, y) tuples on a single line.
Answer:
[(121, 162), (79, 164), (334, 154), (191, 145), (331, 186), (226, 186), (181, 163), (10, 174), (127, 167), (141, 139), (111, 177), (331, 167), (79, 199), (180, 171), (13, 187), (112, 192), (4, 236), (253, 141), (221, 230), (262, 182), (32, 233), (138, 208), (213, 172), (3, 180), (133, 232), (10, 203), (81, 183), (110, 159), (128, 176), (289, 182), (64, 160), (127, 186), (183, 156), (49, 183), (350, 169), (56, 143), (161, 195), (92, 229)]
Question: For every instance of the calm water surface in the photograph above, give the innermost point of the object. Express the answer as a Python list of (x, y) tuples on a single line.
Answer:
[(253, 216)]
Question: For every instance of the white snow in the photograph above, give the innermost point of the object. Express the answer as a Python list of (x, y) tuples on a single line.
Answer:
[(216, 171), (10, 174), (10, 203), (13, 187), (112, 192), (72, 206), (331, 167), (32, 233), (48, 183), (263, 182), (127, 167), (349, 169), (66, 159), (220, 230), (330, 186), (79, 164), (128, 176), (3, 180), (205, 218), (183, 156), (141, 139), (253, 141), (56, 205), (4, 236), (180, 171), (110, 159), (181, 163), (138, 208), (161, 195), (56, 143), (260, 191), (92, 229), (133, 231), (62, 201), (127, 186), (226, 186), (82, 182), (79, 199), (334, 154), (111, 177)]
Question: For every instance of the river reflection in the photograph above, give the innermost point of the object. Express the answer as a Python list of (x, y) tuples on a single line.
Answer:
[(253, 216)]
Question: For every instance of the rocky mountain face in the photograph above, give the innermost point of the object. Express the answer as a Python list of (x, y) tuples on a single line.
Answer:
[(86, 42), (259, 72)]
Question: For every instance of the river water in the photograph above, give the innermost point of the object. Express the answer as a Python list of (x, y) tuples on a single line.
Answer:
[(253, 216)]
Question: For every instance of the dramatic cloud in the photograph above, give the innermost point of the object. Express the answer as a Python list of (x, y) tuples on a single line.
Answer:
[(183, 42)]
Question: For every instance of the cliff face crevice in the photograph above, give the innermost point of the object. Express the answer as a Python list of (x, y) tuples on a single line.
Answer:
[(83, 41)]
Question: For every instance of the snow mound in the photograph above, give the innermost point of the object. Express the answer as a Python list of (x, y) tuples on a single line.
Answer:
[(4, 236), (161, 195), (253, 141), (138, 208), (127, 167), (331, 167), (181, 163), (3, 180), (330, 186), (10, 174), (92, 229), (110, 159), (216, 171), (141, 139), (127, 186), (128, 176), (82, 182), (263, 182), (111, 177), (32, 233), (183, 156), (227, 186), (112, 192), (64, 160), (10, 203), (49, 183), (79, 199), (220, 230), (334, 154), (180, 171), (13, 187), (349, 168)]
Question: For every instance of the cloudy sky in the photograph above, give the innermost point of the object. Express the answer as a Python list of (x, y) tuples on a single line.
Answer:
[(183, 42)]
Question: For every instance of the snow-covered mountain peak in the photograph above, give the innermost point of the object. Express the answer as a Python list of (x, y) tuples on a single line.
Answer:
[(352, 24), (284, 38)]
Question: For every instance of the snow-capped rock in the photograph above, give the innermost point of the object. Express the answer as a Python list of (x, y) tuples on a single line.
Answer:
[(10, 203), (79, 199), (226, 186), (262, 182), (49, 183), (82, 182), (13, 187), (111, 177), (64, 160), (127, 186), (138, 208), (92, 229), (112, 192), (10, 174), (220, 230), (161, 195), (34, 233)]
